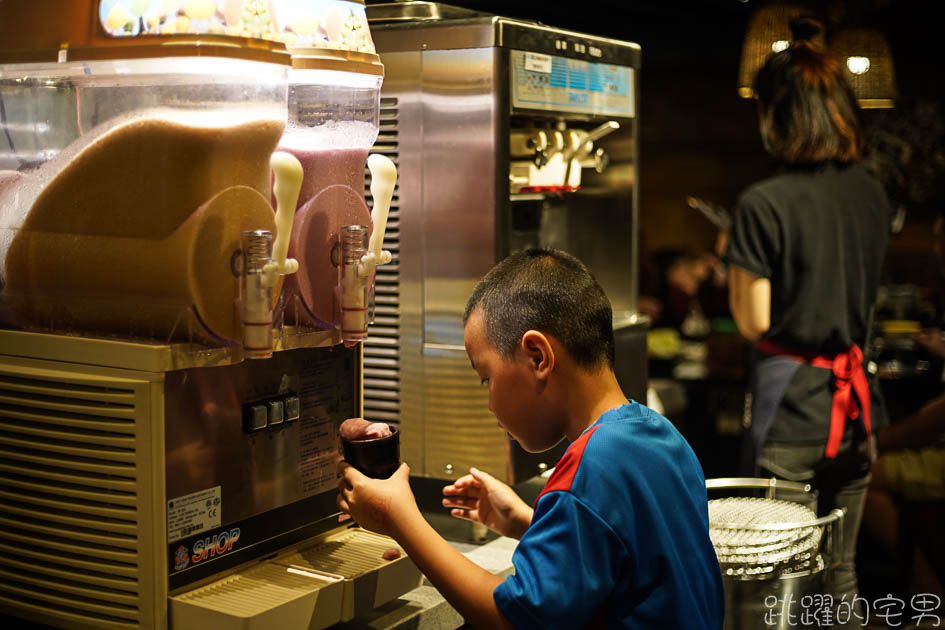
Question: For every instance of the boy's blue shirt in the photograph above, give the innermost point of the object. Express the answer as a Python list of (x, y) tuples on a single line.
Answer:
[(620, 535)]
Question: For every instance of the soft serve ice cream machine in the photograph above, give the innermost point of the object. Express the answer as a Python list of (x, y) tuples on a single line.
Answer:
[(186, 271), (508, 134)]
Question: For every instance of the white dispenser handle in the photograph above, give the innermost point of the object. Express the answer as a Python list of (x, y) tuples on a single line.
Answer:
[(288, 182), (383, 179)]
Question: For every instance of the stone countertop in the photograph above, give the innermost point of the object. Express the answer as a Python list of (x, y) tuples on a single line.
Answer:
[(424, 608)]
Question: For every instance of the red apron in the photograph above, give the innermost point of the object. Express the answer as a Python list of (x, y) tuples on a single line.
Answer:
[(848, 376)]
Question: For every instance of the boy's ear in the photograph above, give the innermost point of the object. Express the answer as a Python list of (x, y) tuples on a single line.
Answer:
[(538, 350)]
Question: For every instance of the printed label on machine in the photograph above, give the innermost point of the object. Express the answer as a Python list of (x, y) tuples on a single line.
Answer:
[(538, 62), (192, 513), (552, 83), (318, 453)]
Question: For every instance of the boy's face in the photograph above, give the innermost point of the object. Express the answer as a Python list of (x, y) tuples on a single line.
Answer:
[(513, 389)]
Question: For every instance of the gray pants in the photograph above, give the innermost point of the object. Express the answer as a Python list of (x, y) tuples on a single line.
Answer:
[(796, 462)]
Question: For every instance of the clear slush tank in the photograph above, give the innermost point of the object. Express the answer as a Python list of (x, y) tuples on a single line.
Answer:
[(333, 121), (124, 187), (332, 125)]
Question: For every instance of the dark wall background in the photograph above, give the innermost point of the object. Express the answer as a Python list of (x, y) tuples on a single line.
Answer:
[(699, 138)]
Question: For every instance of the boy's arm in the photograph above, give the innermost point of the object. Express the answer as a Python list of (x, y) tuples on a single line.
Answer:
[(387, 506), (464, 584)]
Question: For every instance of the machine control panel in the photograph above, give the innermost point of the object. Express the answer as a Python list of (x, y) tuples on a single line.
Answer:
[(270, 412), (556, 83)]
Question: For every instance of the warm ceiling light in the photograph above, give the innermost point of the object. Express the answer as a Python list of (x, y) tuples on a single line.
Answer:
[(858, 65), (768, 31), (868, 65)]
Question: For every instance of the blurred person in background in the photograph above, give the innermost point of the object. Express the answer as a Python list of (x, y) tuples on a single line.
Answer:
[(911, 466), (805, 253)]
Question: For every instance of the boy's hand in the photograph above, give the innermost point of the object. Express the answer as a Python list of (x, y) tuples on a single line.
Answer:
[(481, 498), (379, 505)]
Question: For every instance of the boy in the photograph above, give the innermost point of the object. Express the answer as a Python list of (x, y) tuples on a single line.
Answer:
[(619, 536)]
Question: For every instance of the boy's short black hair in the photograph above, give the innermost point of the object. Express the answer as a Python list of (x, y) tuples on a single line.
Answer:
[(550, 291)]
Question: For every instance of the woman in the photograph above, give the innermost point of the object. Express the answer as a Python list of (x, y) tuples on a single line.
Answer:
[(805, 252)]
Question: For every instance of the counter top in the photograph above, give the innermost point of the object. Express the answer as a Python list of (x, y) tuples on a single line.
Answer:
[(424, 608)]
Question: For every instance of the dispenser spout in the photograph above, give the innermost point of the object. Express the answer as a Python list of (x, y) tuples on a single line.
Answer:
[(264, 260), (361, 256), (288, 182), (256, 299)]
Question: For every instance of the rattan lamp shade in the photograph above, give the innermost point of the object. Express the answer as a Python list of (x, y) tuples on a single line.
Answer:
[(867, 65), (767, 32)]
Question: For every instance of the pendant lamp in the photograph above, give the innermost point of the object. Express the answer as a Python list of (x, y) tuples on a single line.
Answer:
[(768, 32), (867, 65)]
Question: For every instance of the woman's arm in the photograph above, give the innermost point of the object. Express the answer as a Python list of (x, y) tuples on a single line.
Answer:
[(749, 298)]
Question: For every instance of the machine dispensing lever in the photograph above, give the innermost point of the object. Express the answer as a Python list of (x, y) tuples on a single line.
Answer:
[(288, 181), (383, 179), (583, 146)]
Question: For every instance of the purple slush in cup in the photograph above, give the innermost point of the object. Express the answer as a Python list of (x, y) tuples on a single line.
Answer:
[(372, 448)]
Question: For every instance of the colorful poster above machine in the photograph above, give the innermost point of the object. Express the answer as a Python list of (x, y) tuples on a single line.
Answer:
[(334, 24)]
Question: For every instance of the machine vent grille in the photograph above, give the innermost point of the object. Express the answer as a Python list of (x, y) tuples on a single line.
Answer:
[(382, 347), (69, 543)]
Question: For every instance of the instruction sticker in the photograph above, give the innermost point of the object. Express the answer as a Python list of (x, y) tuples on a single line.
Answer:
[(192, 513), (537, 62), (318, 449)]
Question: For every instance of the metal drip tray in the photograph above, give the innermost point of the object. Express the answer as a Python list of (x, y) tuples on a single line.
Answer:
[(358, 557), (341, 576), (265, 596)]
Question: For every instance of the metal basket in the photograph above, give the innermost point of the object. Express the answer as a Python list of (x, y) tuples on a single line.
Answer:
[(767, 537)]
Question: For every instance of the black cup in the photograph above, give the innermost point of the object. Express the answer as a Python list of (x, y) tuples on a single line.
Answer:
[(377, 457)]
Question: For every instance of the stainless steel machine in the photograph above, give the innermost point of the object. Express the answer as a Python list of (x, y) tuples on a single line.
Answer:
[(169, 406), (508, 134)]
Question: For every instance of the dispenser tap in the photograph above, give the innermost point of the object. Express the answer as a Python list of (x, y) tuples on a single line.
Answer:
[(582, 147), (360, 257), (264, 261), (288, 182), (256, 298)]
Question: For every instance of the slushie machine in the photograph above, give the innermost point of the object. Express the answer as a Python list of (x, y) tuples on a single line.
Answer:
[(186, 273)]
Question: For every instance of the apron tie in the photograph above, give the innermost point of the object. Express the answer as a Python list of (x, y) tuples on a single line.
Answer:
[(848, 377)]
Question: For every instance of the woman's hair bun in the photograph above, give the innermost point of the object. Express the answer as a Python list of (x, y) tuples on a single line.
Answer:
[(805, 28)]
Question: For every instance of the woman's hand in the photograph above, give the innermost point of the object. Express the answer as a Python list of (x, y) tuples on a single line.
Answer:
[(379, 505), (481, 498)]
